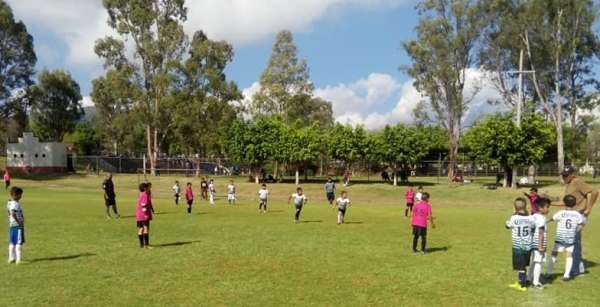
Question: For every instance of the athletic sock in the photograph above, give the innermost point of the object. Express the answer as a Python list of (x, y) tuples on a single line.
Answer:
[(265, 206), (189, 210), (141, 238), (415, 241), (551, 265), (568, 266), (297, 216), (107, 211), (406, 213), (146, 239), (522, 278), (11, 252), (423, 243), (339, 218), (537, 271), (19, 252)]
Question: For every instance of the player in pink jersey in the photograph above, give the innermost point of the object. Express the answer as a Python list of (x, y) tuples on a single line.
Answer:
[(6, 179), (189, 197), (144, 216), (533, 196), (409, 195), (421, 213)]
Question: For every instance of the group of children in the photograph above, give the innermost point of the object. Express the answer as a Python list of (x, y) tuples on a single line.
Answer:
[(529, 238)]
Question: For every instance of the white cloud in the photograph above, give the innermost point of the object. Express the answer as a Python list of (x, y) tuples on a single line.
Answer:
[(78, 23), (87, 101)]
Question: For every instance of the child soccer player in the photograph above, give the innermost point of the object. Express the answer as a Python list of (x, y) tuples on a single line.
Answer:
[(263, 195), (330, 192), (6, 179), (422, 212), (522, 226), (16, 222), (419, 195), (212, 192), (540, 240), (299, 201), (343, 202), (570, 222), (410, 200), (533, 196), (189, 197), (204, 188), (144, 216), (176, 192), (231, 193)]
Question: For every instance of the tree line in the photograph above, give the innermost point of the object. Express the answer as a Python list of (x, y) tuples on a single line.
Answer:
[(170, 93)]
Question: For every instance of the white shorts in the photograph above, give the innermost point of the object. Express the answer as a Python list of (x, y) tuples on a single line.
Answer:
[(231, 196), (558, 247), (538, 257)]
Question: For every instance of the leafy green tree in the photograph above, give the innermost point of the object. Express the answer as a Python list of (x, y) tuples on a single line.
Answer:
[(399, 145), (447, 36), (56, 105), (301, 145), (17, 64), (346, 143), (285, 87), (84, 138), (498, 141)]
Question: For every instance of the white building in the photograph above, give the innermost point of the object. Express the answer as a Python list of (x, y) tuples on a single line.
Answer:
[(29, 155)]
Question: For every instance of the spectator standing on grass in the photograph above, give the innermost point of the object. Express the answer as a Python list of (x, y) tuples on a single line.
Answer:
[(6, 179), (110, 198), (585, 198)]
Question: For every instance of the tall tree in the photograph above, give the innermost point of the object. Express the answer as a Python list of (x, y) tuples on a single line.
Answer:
[(84, 138), (285, 86), (301, 146), (447, 37), (399, 146), (347, 144), (56, 105), (17, 63), (156, 31)]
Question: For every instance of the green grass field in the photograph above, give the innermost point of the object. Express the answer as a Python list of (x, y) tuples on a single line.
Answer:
[(234, 256)]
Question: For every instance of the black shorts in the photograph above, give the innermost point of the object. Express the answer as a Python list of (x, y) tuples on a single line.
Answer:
[(330, 196), (110, 202), (520, 261), (343, 211), (141, 224), (263, 201), (190, 202), (176, 195), (410, 205), (7, 182), (419, 231), (298, 207)]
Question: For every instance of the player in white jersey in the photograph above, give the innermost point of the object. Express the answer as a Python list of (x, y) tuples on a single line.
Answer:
[(211, 192), (569, 223), (176, 192), (343, 202), (419, 195), (299, 201), (16, 224), (540, 241), (231, 193), (522, 226), (263, 195)]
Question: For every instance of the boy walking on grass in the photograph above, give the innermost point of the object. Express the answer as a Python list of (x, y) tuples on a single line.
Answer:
[(570, 222), (176, 192), (409, 195), (212, 192), (144, 216), (189, 197), (343, 203), (421, 213), (540, 240), (263, 195), (231, 193), (522, 225), (16, 223), (299, 201)]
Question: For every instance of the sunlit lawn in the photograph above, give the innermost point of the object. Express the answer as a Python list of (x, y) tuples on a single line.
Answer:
[(235, 256)]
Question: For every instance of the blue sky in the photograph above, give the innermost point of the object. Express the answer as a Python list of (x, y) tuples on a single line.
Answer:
[(352, 46)]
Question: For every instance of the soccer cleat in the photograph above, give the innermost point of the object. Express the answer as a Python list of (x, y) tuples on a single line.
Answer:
[(149, 247), (547, 276), (108, 217), (538, 286), (11, 261), (423, 252), (517, 286), (414, 251), (566, 278), (118, 216)]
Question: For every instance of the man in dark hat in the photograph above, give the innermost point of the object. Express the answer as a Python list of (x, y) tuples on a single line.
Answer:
[(585, 196)]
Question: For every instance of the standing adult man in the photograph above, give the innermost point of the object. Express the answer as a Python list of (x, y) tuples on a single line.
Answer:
[(586, 197), (330, 191), (110, 198)]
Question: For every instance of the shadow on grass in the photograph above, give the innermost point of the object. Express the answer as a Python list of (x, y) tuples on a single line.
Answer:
[(164, 212), (438, 249), (275, 211), (202, 213), (179, 243), (70, 257), (589, 264), (353, 222), (310, 222), (357, 182)]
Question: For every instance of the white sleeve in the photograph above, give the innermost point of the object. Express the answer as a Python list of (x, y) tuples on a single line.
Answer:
[(540, 222), (509, 223), (556, 216)]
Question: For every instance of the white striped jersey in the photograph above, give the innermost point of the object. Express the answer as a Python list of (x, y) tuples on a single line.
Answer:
[(263, 193), (566, 228), (540, 224), (11, 206), (522, 226), (231, 189), (343, 202)]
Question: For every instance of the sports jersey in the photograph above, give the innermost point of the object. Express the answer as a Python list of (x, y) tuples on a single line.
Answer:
[(231, 189), (14, 205), (329, 187), (176, 189), (522, 226), (421, 213), (540, 223), (410, 196), (189, 195), (418, 197), (143, 208), (299, 199), (109, 188), (342, 203), (263, 193), (203, 184), (566, 228), (211, 187)]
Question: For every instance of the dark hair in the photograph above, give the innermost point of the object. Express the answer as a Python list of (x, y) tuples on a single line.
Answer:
[(542, 203), (410, 185), (143, 186), (263, 185), (570, 201), (425, 196), (16, 191), (420, 188), (534, 189), (298, 189)]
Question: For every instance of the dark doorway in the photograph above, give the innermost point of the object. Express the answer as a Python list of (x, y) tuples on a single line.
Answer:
[(70, 167)]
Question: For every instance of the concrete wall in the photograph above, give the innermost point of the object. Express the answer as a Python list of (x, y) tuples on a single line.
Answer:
[(30, 155)]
